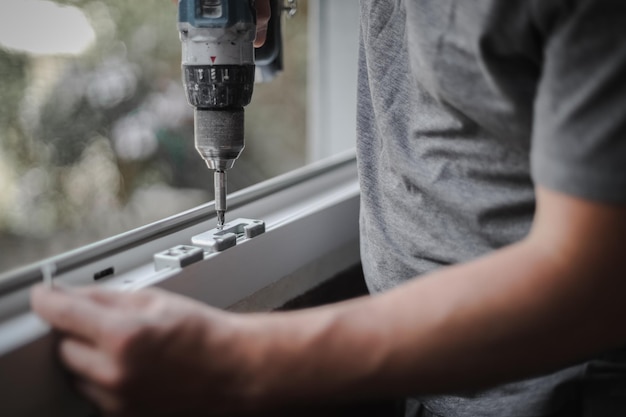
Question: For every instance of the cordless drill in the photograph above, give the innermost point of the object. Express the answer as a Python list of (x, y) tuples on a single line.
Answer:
[(218, 64)]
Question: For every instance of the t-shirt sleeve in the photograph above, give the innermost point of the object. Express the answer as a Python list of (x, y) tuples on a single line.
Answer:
[(579, 130)]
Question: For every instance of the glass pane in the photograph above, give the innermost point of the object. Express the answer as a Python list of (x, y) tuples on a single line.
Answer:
[(96, 136)]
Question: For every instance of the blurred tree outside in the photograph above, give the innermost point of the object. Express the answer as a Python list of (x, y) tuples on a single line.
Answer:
[(100, 142)]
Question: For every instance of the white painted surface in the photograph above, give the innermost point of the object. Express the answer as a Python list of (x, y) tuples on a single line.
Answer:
[(333, 63)]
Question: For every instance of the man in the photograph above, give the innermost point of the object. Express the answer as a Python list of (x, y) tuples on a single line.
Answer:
[(469, 113)]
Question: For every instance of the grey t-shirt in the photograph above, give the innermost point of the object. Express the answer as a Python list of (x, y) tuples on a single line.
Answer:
[(463, 106)]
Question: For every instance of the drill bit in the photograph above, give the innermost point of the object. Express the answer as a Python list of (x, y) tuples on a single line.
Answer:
[(221, 214), (220, 197)]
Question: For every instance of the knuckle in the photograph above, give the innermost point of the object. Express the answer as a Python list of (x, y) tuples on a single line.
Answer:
[(158, 308), (116, 379), (67, 353), (123, 340), (65, 313), (145, 297)]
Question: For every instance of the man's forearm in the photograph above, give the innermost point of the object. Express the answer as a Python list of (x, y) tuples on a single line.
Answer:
[(512, 314), (534, 306)]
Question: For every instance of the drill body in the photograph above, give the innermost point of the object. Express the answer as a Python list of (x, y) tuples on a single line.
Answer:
[(218, 64)]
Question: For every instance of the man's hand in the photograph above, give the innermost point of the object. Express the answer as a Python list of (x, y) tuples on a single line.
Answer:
[(263, 14), (153, 353), (145, 353)]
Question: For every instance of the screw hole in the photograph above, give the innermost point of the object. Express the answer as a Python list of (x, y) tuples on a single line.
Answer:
[(104, 273)]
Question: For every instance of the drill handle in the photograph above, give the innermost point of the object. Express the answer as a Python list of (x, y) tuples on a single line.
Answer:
[(269, 57)]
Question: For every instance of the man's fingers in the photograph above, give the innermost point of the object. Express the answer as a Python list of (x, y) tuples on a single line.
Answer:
[(89, 362), (263, 13), (261, 36), (71, 313)]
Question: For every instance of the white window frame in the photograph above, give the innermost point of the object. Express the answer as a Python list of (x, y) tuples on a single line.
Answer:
[(311, 216), (332, 85)]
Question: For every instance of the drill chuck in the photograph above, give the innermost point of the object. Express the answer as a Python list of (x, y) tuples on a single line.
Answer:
[(219, 136)]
